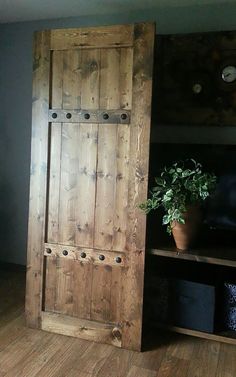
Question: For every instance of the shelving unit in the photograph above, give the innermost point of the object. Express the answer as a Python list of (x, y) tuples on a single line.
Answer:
[(219, 257), (208, 251), (186, 125), (222, 257), (224, 337)]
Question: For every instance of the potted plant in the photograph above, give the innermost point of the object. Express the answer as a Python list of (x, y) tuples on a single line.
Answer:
[(180, 189)]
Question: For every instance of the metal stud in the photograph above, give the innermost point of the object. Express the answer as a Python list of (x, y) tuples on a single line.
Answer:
[(68, 115), (49, 251), (86, 116), (101, 257), (83, 254), (118, 259), (65, 252), (105, 116), (123, 116), (54, 115)]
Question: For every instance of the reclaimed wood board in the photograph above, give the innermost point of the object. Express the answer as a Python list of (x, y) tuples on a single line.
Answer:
[(88, 256)]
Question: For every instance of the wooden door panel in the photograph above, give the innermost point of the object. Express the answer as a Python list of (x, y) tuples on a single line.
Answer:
[(68, 287), (90, 145), (79, 166), (83, 289)]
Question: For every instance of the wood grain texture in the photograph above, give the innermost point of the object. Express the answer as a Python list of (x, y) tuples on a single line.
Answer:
[(30, 352), (50, 287), (113, 149), (91, 255), (226, 361), (220, 256), (89, 330), (173, 366), (68, 184), (220, 337), (55, 148), (84, 38), (207, 361), (101, 293), (141, 372), (82, 283), (89, 116), (106, 187), (87, 153), (138, 181), (54, 183), (38, 178), (69, 154), (97, 175)]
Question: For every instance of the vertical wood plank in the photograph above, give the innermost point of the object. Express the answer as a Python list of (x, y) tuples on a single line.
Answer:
[(87, 158), (116, 294), (107, 150), (120, 215), (101, 293), (71, 80), (50, 284), (68, 184), (82, 289), (106, 187), (126, 67), (64, 300), (54, 183), (65, 94), (55, 148), (87, 153), (138, 182), (38, 178), (57, 80), (106, 184), (69, 157), (123, 145)]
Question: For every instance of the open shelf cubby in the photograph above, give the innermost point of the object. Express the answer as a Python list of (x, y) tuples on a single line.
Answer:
[(212, 258)]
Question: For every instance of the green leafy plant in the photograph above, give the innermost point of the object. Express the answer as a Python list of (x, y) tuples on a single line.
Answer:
[(179, 186)]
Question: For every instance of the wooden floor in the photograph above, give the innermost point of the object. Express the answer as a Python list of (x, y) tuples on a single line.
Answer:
[(27, 353)]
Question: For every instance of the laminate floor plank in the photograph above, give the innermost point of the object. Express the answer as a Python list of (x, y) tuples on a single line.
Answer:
[(227, 361), (141, 372), (173, 367), (117, 364), (75, 373), (93, 359), (26, 352), (37, 358), (62, 362), (205, 358)]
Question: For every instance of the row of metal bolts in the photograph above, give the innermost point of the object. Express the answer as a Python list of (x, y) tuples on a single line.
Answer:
[(83, 255), (87, 116)]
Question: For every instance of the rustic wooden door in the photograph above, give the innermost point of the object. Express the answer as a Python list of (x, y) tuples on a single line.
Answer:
[(89, 170)]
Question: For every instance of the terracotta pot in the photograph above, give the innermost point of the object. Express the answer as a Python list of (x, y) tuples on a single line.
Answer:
[(185, 234)]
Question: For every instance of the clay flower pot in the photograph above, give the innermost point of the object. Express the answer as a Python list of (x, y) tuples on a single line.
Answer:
[(185, 234)]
